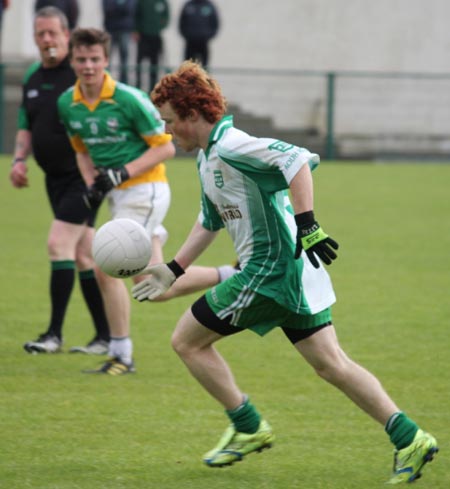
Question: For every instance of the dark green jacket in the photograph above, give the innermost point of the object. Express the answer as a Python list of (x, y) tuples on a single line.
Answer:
[(152, 16)]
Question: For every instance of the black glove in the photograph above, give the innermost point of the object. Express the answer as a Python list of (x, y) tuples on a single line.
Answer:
[(93, 197), (312, 239), (109, 178)]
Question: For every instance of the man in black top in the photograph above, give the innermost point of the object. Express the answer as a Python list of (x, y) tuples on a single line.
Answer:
[(71, 232), (198, 24), (118, 20)]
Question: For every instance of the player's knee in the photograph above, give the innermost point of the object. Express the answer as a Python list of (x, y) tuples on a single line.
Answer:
[(179, 345), (333, 369), (84, 261), (58, 249)]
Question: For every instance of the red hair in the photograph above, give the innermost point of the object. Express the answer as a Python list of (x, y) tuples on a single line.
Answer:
[(191, 88)]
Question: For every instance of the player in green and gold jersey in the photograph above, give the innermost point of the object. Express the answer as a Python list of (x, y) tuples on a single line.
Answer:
[(120, 144)]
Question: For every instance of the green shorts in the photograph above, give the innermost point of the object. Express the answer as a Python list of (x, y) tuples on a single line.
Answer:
[(235, 304)]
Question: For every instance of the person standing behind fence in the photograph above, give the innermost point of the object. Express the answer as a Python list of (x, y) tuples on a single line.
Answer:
[(118, 20), (198, 24), (151, 18), (70, 9), (4, 4)]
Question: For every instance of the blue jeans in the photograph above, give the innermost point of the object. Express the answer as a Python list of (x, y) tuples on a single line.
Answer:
[(121, 41)]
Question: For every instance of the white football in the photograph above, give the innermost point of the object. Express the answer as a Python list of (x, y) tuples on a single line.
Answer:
[(121, 248)]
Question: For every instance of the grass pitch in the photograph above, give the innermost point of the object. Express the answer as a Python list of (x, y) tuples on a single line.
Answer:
[(61, 429)]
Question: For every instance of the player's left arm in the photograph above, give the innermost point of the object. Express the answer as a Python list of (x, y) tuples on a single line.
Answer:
[(148, 124), (160, 148), (310, 236), (291, 165), (301, 187), (146, 121)]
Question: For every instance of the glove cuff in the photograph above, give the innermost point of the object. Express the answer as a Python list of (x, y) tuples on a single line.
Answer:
[(305, 219), (124, 175), (175, 268), (93, 197)]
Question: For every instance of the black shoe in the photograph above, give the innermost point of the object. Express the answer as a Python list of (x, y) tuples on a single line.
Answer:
[(113, 366)]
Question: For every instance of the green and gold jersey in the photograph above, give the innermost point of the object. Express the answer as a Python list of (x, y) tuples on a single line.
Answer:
[(244, 183), (118, 128)]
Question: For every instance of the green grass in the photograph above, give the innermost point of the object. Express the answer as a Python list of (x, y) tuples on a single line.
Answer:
[(61, 429)]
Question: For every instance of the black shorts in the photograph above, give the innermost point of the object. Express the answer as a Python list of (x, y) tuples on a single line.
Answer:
[(205, 316), (65, 194)]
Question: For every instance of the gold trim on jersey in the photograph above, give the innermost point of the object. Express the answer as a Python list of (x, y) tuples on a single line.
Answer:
[(107, 92), (155, 174)]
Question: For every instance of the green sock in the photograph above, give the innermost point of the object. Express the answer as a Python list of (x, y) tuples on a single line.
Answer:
[(245, 417), (401, 430)]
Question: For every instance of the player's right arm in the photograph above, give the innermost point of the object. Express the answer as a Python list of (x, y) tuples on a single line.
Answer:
[(196, 243), (93, 197), (22, 149), (86, 167), (163, 275)]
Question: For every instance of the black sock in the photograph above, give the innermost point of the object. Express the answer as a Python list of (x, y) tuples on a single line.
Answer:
[(94, 301), (61, 285)]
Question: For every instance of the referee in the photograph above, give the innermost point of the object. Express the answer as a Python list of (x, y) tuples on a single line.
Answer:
[(71, 232)]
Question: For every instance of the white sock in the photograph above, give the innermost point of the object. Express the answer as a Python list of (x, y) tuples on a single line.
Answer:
[(121, 348), (226, 271)]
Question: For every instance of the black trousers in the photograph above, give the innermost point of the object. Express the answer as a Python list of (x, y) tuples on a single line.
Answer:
[(198, 51), (149, 47)]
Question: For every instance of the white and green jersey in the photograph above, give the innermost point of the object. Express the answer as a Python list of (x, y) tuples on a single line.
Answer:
[(244, 184)]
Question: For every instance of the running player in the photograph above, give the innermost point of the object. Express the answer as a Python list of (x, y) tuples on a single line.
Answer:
[(282, 281)]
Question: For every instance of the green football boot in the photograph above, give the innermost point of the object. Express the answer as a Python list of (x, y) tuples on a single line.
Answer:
[(408, 461), (234, 445)]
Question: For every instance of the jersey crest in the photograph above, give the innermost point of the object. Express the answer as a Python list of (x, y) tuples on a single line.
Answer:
[(218, 179)]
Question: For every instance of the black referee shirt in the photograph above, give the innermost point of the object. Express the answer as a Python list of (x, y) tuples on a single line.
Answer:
[(51, 146)]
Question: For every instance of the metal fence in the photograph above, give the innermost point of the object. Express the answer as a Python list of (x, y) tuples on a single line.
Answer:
[(351, 114), (339, 114)]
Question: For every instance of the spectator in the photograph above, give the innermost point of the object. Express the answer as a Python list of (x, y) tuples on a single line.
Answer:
[(4, 4), (118, 20), (199, 23), (68, 7), (41, 132), (152, 17)]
